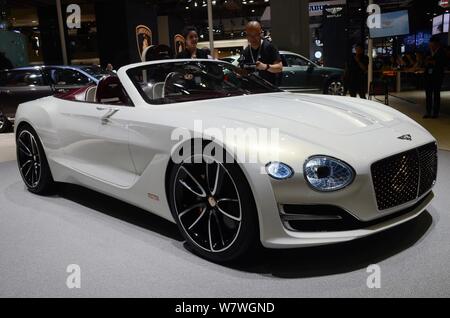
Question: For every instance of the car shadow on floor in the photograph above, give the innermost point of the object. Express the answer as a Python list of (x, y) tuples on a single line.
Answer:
[(119, 210), (292, 263), (340, 258)]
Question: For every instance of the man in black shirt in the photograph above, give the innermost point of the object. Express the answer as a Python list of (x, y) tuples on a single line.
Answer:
[(434, 76), (356, 72), (261, 55)]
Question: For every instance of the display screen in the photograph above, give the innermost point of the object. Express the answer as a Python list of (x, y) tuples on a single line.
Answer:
[(392, 24), (446, 22), (438, 24), (441, 24)]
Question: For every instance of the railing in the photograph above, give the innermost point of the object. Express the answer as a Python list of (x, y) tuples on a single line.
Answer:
[(398, 81)]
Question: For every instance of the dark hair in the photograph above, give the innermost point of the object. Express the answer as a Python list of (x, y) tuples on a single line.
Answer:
[(188, 30), (435, 39), (360, 45)]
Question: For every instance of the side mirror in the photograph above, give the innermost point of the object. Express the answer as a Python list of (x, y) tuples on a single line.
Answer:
[(310, 67)]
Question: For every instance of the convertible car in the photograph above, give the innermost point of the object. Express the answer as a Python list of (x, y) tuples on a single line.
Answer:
[(336, 169)]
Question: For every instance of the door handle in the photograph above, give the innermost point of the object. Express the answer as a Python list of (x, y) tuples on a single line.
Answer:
[(111, 112)]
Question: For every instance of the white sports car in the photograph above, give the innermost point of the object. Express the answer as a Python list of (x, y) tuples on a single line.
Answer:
[(165, 136)]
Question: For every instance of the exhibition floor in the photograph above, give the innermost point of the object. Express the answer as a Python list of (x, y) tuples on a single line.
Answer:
[(125, 252), (413, 104)]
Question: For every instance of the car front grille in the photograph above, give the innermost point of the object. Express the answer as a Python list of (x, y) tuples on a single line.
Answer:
[(404, 177)]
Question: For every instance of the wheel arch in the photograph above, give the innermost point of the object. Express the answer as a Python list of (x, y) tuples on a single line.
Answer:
[(21, 124), (171, 165), (332, 77)]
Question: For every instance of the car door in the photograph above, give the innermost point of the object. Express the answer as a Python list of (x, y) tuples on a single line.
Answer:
[(294, 73), (65, 78), (299, 74), (20, 86), (95, 141)]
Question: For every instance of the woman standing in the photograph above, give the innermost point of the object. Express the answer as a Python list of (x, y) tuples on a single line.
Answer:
[(191, 51)]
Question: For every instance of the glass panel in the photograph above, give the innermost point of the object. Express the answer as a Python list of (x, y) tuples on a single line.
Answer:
[(294, 60), (68, 77), (22, 78), (176, 82)]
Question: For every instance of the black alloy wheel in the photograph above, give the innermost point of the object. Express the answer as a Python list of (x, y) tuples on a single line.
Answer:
[(32, 162), (5, 124), (214, 208)]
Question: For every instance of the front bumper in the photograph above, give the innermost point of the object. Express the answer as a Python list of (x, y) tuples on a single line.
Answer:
[(293, 239), (357, 200)]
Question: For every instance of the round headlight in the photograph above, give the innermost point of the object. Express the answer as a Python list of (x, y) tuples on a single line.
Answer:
[(279, 170), (328, 174)]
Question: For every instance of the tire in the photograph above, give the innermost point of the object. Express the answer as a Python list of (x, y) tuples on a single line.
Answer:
[(214, 209), (32, 162), (334, 87), (5, 124)]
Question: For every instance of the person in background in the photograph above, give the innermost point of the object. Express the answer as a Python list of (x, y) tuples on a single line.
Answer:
[(410, 60), (419, 65), (191, 51), (261, 54), (356, 72), (447, 57), (435, 65), (5, 63), (110, 69)]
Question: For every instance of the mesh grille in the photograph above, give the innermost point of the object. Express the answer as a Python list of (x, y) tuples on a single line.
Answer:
[(428, 167), (404, 177)]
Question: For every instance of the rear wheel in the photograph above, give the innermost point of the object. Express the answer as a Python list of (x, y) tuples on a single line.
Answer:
[(214, 208), (335, 87), (5, 124), (33, 165)]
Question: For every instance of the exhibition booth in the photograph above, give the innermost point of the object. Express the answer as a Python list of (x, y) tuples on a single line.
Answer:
[(209, 149)]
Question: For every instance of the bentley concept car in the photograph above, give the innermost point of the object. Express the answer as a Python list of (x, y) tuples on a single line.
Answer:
[(184, 139)]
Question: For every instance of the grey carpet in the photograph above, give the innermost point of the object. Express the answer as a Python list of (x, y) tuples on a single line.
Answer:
[(125, 252)]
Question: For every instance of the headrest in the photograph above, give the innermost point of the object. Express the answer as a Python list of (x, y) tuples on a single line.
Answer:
[(110, 91)]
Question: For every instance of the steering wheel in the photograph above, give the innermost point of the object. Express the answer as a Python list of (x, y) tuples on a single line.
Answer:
[(174, 83)]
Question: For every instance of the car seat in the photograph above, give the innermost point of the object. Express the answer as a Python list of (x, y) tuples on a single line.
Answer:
[(111, 91)]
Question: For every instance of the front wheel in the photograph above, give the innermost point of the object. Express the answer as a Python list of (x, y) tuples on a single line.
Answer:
[(335, 87), (214, 208), (5, 124), (33, 165)]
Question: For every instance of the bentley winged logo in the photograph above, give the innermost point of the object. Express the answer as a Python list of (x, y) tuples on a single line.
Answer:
[(334, 11), (407, 137)]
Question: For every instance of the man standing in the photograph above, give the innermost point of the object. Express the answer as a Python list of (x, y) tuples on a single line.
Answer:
[(434, 77), (356, 72), (261, 54)]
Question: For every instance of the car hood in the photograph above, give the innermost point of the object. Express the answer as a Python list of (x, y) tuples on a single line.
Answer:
[(349, 128), (300, 113)]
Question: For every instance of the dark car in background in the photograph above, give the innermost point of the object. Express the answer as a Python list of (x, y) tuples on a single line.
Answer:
[(302, 75), (24, 84)]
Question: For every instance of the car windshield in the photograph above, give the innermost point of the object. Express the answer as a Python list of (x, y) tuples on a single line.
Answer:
[(184, 81), (95, 71)]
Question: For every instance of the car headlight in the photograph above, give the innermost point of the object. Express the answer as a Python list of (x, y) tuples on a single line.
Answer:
[(279, 170), (328, 174)]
